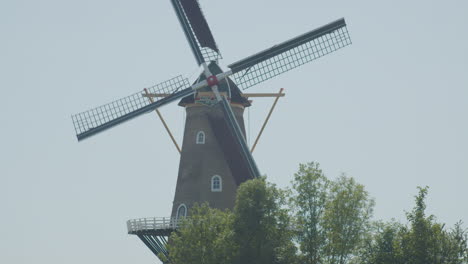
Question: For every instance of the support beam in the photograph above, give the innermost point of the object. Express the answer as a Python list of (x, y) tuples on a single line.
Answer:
[(278, 95), (164, 122), (246, 95)]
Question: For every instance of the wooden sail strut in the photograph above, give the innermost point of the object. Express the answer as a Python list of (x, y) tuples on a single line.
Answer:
[(278, 95), (246, 95), (164, 122)]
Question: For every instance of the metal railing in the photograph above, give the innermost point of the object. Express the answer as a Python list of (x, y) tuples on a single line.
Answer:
[(155, 223)]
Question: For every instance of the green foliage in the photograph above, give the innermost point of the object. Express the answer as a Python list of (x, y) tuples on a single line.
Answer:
[(383, 245), (329, 220), (346, 219), (332, 217), (261, 225), (420, 232), (257, 231), (422, 241), (458, 245), (310, 195), (204, 238)]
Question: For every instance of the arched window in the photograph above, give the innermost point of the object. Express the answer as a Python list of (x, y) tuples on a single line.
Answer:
[(181, 211), (200, 137), (216, 184)]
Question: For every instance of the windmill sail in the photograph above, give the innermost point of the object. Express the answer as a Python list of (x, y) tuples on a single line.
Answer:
[(232, 142), (290, 54), (106, 116), (197, 31)]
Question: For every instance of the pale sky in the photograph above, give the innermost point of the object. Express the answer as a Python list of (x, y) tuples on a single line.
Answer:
[(389, 110)]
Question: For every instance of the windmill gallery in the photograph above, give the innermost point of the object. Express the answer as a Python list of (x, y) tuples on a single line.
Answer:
[(215, 158)]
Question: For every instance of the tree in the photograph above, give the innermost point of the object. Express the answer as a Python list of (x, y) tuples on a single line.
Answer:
[(203, 238), (458, 237), (261, 225), (420, 233), (430, 243), (346, 219), (423, 240), (383, 245), (310, 195)]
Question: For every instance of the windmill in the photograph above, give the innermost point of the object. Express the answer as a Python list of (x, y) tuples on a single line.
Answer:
[(215, 158)]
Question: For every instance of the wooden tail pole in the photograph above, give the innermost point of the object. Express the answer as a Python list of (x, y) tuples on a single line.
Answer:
[(164, 123), (268, 118)]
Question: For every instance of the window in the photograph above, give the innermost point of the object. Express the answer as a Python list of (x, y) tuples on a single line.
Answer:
[(200, 137), (216, 184), (181, 211)]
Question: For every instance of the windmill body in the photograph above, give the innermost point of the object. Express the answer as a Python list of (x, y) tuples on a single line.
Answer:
[(208, 170), (215, 158), (201, 161)]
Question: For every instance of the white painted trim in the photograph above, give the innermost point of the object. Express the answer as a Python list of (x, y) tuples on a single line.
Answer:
[(197, 139), (177, 212), (220, 183)]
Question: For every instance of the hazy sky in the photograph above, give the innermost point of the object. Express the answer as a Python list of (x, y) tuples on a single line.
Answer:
[(390, 110)]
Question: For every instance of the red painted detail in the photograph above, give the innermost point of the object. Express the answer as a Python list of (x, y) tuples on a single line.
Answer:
[(212, 80)]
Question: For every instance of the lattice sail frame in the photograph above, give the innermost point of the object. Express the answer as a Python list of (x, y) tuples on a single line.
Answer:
[(207, 53), (101, 115), (291, 54), (246, 73)]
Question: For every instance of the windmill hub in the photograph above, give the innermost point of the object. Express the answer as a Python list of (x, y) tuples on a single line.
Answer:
[(212, 80)]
